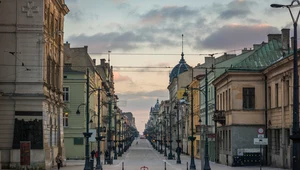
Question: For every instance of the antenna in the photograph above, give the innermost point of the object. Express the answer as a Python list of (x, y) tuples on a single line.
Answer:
[(109, 57)]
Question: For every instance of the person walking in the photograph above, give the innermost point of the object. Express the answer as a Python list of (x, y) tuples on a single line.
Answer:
[(93, 156), (58, 160)]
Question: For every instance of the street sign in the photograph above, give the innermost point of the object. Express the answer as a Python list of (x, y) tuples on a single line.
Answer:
[(260, 141), (260, 135), (260, 131)]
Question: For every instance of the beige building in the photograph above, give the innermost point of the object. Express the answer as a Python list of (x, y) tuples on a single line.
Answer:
[(253, 94), (279, 112), (31, 100)]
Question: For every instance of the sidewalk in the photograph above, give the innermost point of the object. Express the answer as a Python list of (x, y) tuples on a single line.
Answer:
[(144, 155), (171, 164)]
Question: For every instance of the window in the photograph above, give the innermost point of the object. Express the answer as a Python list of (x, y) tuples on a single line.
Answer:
[(226, 106), (287, 92), (66, 94), (277, 141), (78, 141), (229, 100), (66, 119), (48, 70), (248, 98), (288, 137), (269, 97), (276, 95), (226, 140), (229, 139)]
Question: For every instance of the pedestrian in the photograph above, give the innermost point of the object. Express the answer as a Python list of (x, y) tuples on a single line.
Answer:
[(96, 154), (58, 160), (93, 154)]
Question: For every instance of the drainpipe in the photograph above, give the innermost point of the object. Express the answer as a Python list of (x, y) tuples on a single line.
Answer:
[(283, 156), (266, 118)]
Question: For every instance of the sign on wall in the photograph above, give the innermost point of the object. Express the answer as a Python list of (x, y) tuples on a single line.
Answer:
[(25, 152)]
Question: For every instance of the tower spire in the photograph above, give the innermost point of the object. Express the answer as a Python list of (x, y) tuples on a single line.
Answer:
[(182, 49)]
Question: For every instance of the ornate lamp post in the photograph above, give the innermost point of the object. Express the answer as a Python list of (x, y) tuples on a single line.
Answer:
[(192, 138), (165, 136), (296, 134), (160, 140), (115, 141), (170, 156), (206, 157), (86, 134), (98, 138), (109, 128), (119, 133), (123, 135), (178, 140)]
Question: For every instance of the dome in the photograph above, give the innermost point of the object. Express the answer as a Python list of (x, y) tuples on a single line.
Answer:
[(179, 68)]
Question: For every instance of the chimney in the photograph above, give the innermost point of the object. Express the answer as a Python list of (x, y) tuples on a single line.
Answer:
[(245, 50), (256, 46), (209, 60), (102, 61), (274, 37), (94, 61), (292, 43), (285, 39), (67, 44)]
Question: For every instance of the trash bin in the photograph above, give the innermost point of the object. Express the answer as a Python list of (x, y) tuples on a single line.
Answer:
[(92, 164)]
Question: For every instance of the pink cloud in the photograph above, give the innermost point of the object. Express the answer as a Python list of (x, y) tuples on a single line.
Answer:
[(119, 77)]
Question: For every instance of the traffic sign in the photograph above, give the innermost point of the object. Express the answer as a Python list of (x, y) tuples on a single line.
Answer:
[(260, 131), (260, 141), (260, 135)]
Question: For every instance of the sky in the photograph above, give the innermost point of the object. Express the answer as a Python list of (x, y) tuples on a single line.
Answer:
[(145, 38)]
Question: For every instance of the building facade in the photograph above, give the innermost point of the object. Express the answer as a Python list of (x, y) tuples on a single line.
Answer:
[(76, 63), (241, 103), (31, 41)]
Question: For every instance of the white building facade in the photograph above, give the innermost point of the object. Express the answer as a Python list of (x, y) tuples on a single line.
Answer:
[(31, 100)]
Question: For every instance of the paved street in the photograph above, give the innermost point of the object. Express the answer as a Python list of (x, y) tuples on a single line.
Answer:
[(144, 155)]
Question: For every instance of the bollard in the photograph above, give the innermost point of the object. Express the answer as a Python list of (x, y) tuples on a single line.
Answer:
[(165, 165), (187, 165), (122, 165)]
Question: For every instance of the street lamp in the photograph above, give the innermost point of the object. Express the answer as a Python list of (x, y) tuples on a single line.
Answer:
[(161, 139), (296, 134), (170, 156), (178, 140), (165, 136), (87, 134), (119, 133), (122, 131), (109, 127), (98, 138), (115, 146), (192, 138)]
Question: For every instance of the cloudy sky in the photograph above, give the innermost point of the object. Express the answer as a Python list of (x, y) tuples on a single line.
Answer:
[(144, 37)]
